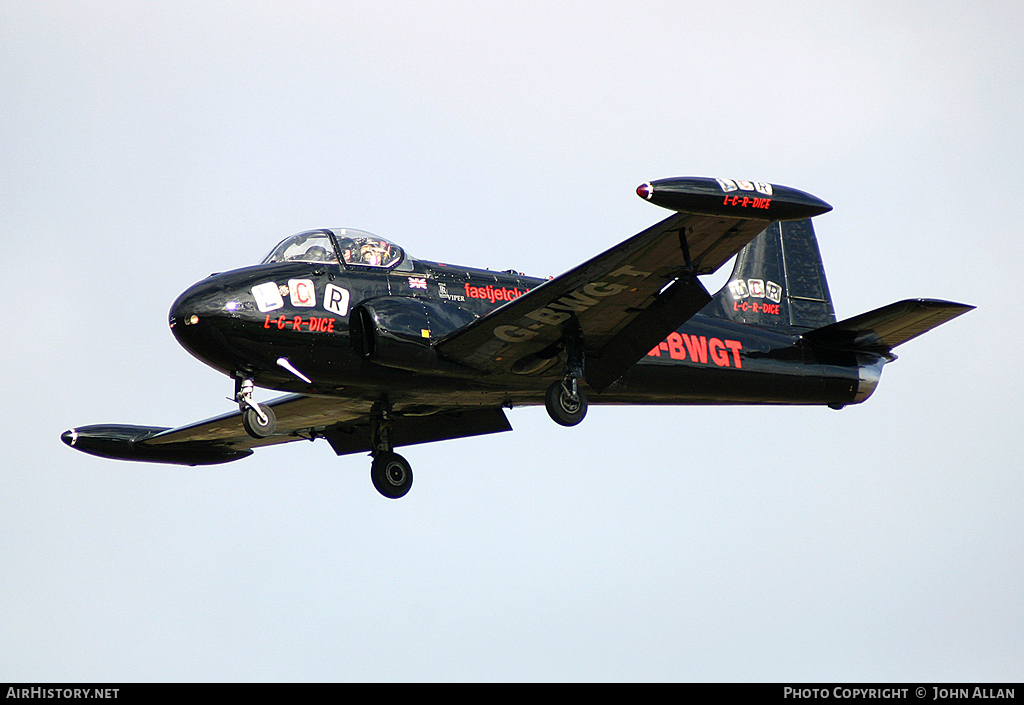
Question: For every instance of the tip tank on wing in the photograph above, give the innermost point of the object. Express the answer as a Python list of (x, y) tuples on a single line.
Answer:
[(756, 200)]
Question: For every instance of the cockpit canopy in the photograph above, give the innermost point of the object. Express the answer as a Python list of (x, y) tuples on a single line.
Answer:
[(355, 247)]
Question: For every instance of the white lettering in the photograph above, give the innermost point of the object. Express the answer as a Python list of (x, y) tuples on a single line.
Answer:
[(628, 271), (601, 289), (513, 334)]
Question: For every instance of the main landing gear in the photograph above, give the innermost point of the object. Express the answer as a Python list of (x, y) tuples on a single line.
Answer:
[(566, 404), (258, 420), (390, 473)]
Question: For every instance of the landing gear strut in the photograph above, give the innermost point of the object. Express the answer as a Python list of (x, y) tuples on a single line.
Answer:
[(566, 404), (257, 420), (390, 473)]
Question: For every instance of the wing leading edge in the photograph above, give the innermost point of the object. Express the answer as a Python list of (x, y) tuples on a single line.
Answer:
[(345, 423), (621, 303)]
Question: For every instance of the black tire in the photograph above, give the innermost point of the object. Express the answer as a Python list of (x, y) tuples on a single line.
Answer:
[(391, 475), (256, 428), (562, 409)]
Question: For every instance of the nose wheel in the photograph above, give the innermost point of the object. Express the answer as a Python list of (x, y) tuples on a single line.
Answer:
[(258, 420)]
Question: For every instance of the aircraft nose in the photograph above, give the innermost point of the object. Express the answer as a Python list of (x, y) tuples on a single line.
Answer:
[(202, 319), (184, 309), (70, 437)]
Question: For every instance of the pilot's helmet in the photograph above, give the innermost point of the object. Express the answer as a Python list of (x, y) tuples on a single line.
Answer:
[(316, 253), (347, 248)]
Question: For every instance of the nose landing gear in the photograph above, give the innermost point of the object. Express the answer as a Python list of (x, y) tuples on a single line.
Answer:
[(258, 420)]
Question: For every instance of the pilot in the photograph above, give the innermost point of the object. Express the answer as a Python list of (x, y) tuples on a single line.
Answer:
[(371, 254), (348, 250)]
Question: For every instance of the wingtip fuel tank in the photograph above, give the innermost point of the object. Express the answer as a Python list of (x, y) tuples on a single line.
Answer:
[(757, 200)]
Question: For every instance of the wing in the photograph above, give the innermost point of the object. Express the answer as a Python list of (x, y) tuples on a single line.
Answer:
[(622, 302), (345, 423)]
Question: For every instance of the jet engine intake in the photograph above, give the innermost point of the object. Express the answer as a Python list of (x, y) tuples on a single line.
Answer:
[(397, 331)]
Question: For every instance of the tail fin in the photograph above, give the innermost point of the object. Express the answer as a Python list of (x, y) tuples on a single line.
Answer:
[(778, 281)]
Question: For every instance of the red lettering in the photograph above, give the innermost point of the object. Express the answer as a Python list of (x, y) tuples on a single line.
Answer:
[(302, 292), (280, 322), (266, 323), (747, 202), (677, 345), (735, 346), (491, 293), (718, 354), (330, 327), (698, 347), (674, 343), (297, 323)]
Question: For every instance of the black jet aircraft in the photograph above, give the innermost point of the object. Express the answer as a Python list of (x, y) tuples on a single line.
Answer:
[(378, 349)]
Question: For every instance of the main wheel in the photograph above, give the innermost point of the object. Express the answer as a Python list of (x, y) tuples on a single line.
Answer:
[(254, 426), (562, 408), (391, 475)]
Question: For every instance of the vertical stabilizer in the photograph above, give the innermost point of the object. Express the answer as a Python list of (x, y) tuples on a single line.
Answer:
[(778, 281)]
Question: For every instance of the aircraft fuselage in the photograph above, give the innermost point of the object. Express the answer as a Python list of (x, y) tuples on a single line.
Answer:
[(245, 321)]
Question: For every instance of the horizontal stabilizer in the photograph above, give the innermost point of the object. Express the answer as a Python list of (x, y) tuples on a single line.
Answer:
[(884, 328)]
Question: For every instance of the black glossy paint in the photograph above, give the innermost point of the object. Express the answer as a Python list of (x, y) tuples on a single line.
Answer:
[(730, 197), (418, 337), (392, 349)]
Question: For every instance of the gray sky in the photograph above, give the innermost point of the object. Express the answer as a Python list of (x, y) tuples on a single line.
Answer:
[(145, 145)]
